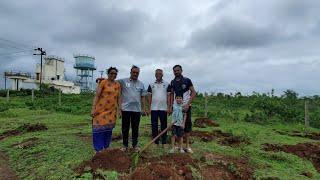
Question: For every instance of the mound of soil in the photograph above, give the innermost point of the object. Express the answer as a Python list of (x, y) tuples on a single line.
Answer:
[(109, 159), (225, 167), (31, 142), (155, 171), (24, 129), (173, 166), (205, 122), (310, 151), (223, 138)]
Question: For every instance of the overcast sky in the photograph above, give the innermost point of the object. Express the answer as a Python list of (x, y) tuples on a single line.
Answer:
[(223, 46)]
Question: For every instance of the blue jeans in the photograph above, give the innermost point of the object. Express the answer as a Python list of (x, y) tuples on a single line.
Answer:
[(162, 115), (102, 140)]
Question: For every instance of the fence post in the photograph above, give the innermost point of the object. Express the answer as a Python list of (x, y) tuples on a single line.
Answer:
[(32, 93), (205, 104), (306, 116), (59, 97), (8, 95)]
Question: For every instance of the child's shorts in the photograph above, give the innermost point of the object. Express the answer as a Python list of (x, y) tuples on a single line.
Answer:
[(177, 131)]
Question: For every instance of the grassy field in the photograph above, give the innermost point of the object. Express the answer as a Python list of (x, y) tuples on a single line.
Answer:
[(57, 151)]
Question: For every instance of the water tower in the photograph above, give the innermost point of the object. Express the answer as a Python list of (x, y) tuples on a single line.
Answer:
[(85, 66)]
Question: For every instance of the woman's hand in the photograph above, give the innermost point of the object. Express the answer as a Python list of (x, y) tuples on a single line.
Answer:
[(120, 114), (186, 107), (93, 114)]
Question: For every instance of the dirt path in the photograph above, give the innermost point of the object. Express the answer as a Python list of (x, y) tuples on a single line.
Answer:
[(5, 171)]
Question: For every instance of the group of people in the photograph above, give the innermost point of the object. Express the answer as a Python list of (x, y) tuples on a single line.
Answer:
[(128, 99)]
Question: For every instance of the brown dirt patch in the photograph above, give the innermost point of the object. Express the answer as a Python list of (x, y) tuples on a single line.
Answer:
[(205, 122), (31, 142), (309, 135), (310, 151), (155, 171), (225, 167), (172, 166), (5, 171), (223, 138), (109, 159), (23, 129), (175, 166)]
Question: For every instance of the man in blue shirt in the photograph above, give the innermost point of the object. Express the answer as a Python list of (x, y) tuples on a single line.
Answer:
[(183, 85), (132, 96)]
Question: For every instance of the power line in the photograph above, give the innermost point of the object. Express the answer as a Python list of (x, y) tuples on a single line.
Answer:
[(14, 53), (15, 43), (10, 46)]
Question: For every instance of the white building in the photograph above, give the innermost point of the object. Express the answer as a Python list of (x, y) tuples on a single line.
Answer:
[(52, 74)]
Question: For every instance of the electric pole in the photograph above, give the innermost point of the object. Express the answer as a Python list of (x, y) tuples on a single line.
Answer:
[(5, 81), (101, 72), (42, 53)]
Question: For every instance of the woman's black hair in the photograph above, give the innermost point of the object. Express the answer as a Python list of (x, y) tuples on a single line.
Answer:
[(112, 68)]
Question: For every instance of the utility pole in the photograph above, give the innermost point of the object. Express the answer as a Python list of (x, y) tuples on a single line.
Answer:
[(101, 72), (5, 81), (42, 53)]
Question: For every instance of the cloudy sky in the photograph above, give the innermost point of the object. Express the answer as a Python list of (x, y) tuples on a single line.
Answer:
[(223, 46)]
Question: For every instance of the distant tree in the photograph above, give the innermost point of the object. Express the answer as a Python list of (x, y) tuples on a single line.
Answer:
[(290, 94)]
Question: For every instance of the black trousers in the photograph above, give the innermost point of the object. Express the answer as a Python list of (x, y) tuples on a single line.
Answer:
[(133, 118), (162, 115)]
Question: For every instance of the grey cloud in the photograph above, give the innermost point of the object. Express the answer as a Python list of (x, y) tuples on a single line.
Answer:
[(107, 27), (222, 45), (232, 33)]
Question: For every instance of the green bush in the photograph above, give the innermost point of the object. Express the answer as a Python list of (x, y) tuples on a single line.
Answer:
[(3, 107)]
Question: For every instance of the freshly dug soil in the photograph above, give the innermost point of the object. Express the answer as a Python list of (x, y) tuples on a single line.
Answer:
[(24, 129), (205, 122), (223, 138), (109, 159), (173, 166), (310, 151), (225, 167)]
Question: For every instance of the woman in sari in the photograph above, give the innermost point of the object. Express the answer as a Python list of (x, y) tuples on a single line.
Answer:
[(105, 109)]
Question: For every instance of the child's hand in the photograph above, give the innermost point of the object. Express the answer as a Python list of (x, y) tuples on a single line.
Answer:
[(182, 126)]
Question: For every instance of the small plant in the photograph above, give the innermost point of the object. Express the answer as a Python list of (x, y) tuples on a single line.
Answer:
[(195, 173)]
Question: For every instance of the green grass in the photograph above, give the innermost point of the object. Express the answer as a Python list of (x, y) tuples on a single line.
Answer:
[(59, 149)]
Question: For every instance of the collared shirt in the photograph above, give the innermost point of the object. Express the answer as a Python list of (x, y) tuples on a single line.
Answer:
[(177, 114), (159, 91), (182, 87), (131, 93)]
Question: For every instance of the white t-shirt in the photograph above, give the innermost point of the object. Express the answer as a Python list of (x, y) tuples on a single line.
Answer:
[(159, 91)]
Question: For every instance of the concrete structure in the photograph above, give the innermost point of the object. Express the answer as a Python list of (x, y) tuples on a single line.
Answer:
[(17, 79), (52, 74), (52, 69), (84, 66)]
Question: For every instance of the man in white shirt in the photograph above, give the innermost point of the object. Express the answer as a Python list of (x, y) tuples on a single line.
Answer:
[(159, 93)]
